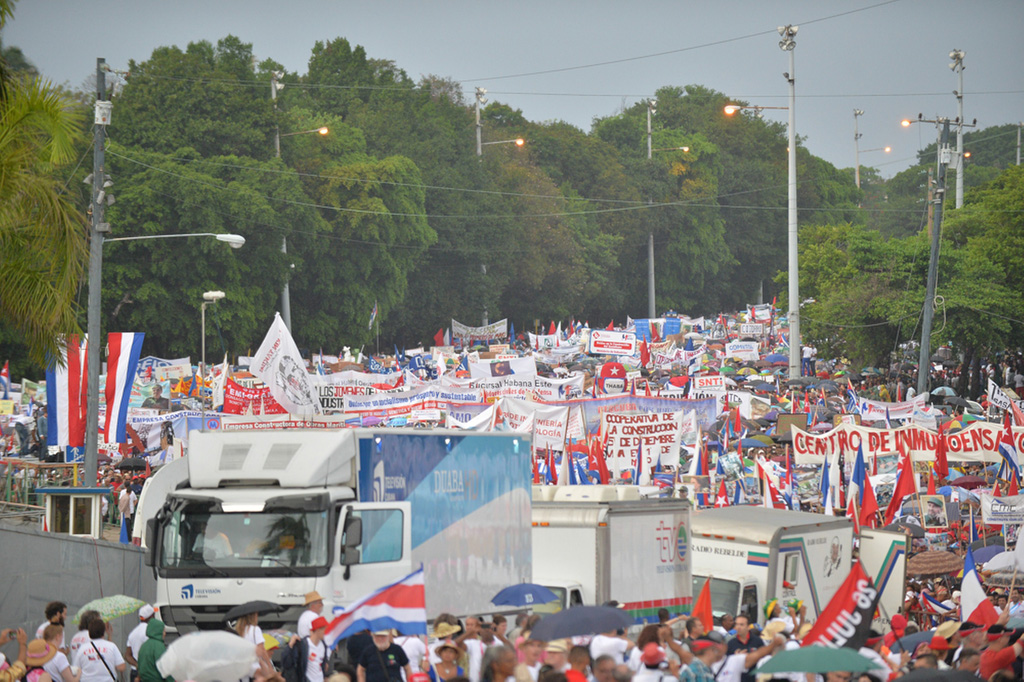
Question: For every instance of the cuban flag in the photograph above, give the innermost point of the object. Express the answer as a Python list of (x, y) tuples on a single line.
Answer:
[(933, 605), (1009, 469), (974, 603), (123, 350), (401, 605), (373, 315), (66, 393), (739, 496)]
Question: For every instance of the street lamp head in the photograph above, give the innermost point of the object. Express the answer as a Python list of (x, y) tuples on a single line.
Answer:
[(858, 112), (520, 142), (213, 295), (235, 241), (886, 149), (905, 123), (731, 109), (324, 130)]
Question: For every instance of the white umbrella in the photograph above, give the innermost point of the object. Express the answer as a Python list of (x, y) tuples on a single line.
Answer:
[(208, 657)]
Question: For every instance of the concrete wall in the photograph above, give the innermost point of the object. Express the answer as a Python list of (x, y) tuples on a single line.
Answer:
[(37, 568)]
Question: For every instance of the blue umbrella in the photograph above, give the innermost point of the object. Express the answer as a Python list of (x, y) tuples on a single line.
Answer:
[(775, 357), (581, 620), (524, 594), (986, 553)]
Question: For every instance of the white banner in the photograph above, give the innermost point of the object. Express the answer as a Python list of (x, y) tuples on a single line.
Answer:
[(545, 341), (486, 369), (654, 434), (404, 402), (549, 423), (495, 331), (603, 342), (742, 350), (1000, 399), (875, 410), (725, 398), (1001, 511), (280, 366), (482, 422), (550, 390)]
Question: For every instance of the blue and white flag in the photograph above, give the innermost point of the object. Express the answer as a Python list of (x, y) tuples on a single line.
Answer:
[(123, 351)]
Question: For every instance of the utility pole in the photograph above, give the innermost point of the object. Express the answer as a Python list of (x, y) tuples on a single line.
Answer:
[(99, 228), (958, 65), (856, 146), (924, 361), (651, 308), (1018, 142), (286, 298), (788, 44), (480, 99)]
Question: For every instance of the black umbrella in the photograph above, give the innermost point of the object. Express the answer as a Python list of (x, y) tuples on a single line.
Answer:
[(956, 401), (248, 607), (582, 620), (131, 464), (913, 529)]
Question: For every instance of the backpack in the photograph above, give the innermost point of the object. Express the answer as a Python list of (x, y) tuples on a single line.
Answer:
[(293, 662)]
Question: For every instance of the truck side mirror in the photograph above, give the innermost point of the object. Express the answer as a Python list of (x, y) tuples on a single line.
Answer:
[(350, 556), (353, 531)]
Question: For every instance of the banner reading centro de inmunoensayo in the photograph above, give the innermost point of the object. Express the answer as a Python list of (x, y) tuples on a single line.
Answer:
[(977, 443), (495, 331)]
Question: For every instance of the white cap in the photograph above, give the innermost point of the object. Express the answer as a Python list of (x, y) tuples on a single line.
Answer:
[(146, 611)]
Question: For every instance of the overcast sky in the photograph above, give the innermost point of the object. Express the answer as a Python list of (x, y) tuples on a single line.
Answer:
[(575, 60)]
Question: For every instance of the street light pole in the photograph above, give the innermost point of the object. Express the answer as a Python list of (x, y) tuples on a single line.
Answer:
[(480, 99), (856, 146), (99, 178), (788, 44), (208, 298), (651, 307), (924, 360), (286, 299), (958, 65)]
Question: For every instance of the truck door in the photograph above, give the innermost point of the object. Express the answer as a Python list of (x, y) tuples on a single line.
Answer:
[(749, 602), (374, 543)]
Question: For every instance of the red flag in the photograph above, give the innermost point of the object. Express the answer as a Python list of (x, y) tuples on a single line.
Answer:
[(536, 470), (439, 337), (647, 389), (931, 482), (1013, 488), (996, 492), (906, 484), (645, 354), (869, 507), (702, 607), (851, 513), (552, 329), (722, 498), (611, 326), (846, 620), (552, 466), (655, 337), (941, 465), (737, 424)]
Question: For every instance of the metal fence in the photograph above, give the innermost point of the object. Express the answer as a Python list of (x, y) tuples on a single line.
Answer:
[(37, 568)]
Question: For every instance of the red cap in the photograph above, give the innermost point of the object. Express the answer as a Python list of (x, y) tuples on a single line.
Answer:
[(319, 622), (938, 643), (652, 655), (899, 623)]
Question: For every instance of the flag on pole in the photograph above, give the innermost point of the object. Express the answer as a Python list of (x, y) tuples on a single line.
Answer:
[(66, 392), (826, 487), (373, 315), (722, 498), (1009, 468), (941, 463), (974, 603), (702, 607), (280, 366), (123, 351), (401, 606), (739, 496), (906, 484)]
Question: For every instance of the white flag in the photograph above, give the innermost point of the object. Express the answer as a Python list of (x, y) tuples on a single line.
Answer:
[(280, 366)]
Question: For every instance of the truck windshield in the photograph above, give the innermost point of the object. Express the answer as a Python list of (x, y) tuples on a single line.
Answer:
[(285, 539), (725, 594)]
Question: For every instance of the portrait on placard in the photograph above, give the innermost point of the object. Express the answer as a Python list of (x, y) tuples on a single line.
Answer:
[(934, 507)]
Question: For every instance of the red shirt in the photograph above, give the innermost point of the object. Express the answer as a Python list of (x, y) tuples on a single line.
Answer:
[(992, 661)]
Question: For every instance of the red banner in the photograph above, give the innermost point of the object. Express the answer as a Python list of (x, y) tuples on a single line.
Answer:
[(238, 400)]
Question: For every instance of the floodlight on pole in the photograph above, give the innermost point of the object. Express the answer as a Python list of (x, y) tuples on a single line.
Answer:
[(208, 298), (957, 56), (788, 44)]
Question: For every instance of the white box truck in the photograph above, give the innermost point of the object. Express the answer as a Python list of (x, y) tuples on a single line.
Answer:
[(592, 544), (275, 514), (753, 554), (884, 556)]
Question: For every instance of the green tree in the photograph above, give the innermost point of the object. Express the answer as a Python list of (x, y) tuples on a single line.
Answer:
[(42, 240)]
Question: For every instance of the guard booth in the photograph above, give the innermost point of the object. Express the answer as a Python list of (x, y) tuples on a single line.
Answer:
[(75, 511)]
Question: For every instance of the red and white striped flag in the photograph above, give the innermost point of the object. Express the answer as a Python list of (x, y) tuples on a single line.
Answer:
[(123, 350), (401, 605)]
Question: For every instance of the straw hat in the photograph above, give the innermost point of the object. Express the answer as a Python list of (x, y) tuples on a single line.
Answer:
[(39, 653), (443, 630)]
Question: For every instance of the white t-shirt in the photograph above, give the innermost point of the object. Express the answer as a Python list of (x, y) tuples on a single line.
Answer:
[(64, 637), (88, 659), (315, 661), (77, 640), (306, 622), (636, 665), (136, 638), (56, 665), (254, 634), (475, 650), (415, 650), (730, 668), (603, 645)]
